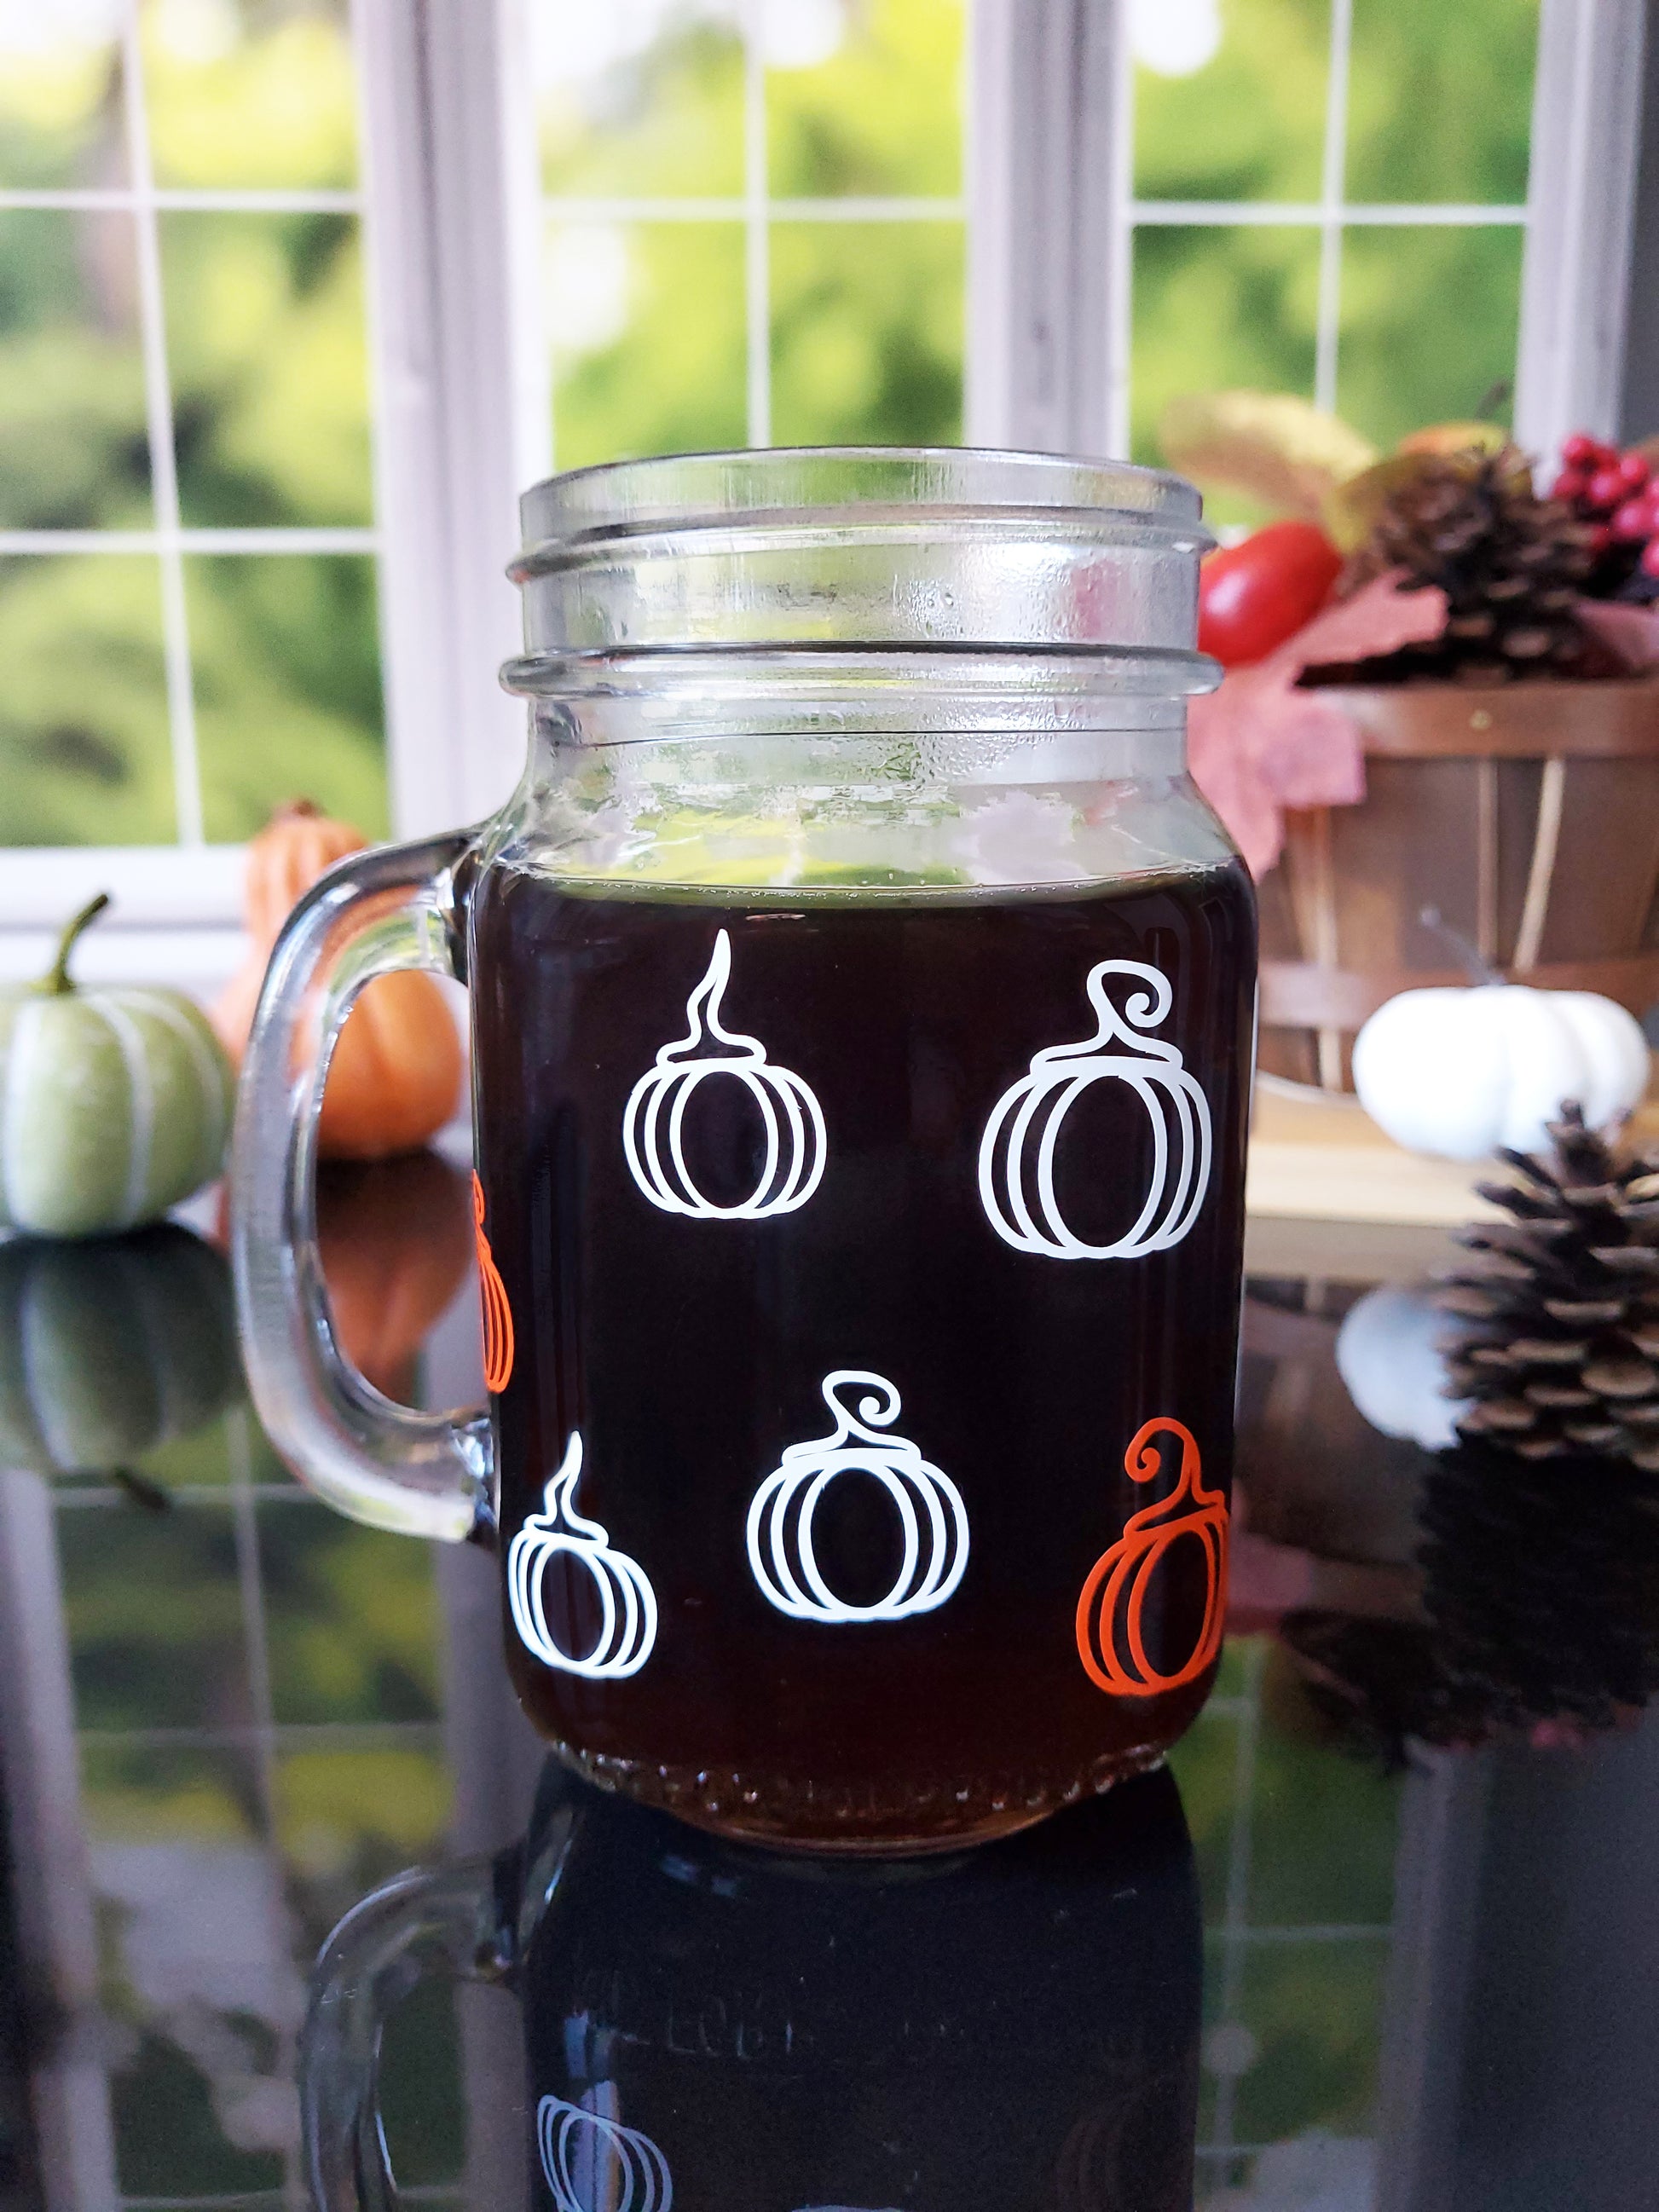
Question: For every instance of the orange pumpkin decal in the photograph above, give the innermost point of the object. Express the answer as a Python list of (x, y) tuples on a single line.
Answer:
[(1111, 1612), (497, 1314)]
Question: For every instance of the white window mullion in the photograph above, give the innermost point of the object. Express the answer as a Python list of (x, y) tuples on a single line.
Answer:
[(102, 200), (757, 244), (1330, 323), (163, 459), (1296, 215), (1048, 236), (443, 209), (1115, 134), (322, 539)]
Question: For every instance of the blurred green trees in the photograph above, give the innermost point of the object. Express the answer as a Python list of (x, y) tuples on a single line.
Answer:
[(1439, 111), (646, 315), (266, 369)]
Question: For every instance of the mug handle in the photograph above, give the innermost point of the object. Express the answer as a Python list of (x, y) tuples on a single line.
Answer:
[(423, 1474), (451, 1919)]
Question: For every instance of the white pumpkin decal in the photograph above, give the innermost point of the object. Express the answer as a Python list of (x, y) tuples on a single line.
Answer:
[(933, 1519), (628, 1604), (794, 1122), (597, 2165), (1016, 1152)]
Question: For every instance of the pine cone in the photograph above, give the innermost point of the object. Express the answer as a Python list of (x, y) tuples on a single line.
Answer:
[(1562, 1355), (1541, 1597), (1511, 566)]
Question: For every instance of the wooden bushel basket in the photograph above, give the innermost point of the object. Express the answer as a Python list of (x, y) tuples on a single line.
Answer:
[(1527, 815)]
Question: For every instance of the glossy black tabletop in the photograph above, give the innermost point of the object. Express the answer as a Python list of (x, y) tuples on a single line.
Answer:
[(1382, 1939)]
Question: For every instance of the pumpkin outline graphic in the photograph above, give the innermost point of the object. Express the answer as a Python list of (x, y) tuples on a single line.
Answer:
[(783, 1508), (1114, 1597), (628, 2155), (492, 1298), (1057, 1079), (788, 1176), (625, 1642)]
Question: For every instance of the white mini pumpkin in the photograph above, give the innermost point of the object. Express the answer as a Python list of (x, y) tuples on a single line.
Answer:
[(1458, 1073)]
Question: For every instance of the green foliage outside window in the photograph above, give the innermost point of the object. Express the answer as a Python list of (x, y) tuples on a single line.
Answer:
[(267, 367)]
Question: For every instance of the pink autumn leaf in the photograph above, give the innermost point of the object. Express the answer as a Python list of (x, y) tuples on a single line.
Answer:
[(1630, 634), (1260, 744)]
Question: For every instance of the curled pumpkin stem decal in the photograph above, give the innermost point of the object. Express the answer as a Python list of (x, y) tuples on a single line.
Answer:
[(653, 1122), (1111, 1614), (1017, 1151), (492, 1292)]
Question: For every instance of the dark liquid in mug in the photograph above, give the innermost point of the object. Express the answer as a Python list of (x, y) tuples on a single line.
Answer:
[(915, 1695)]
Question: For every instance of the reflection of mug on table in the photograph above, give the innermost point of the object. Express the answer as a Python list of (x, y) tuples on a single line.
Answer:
[(720, 2029), (861, 1011)]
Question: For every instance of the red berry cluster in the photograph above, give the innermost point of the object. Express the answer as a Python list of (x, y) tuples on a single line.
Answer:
[(1616, 495)]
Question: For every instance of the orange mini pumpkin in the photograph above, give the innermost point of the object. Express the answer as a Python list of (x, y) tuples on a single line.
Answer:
[(396, 1073), (394, 1239)]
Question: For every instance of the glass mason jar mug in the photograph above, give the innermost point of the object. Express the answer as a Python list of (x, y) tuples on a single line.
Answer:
[(862, 1003)]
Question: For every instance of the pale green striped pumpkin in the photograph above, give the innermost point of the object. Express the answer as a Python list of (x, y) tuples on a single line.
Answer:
[(114, 1104)]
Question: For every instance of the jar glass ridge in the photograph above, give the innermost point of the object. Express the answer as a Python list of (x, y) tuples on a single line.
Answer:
[(966, 669)]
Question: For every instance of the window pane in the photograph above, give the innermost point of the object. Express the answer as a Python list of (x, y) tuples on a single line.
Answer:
[(73, 452), (1440, 100), (638, 98), (143, 1793), (1215, 307), (647, 323), (864, 96), (265, 348), (1314, 2013), (84, 752), (866, 333), (1428, 325), (154, 1618), (350, 1618), (60, 94), (286, 664), (1229, 99), (242, 93), (349, 1816)]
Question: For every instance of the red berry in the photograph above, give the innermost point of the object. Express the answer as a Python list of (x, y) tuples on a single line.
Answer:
[(1579, 450), (1632, 523), (1569, 485), (1650, 563), (1605, 489), (1635, 470)]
